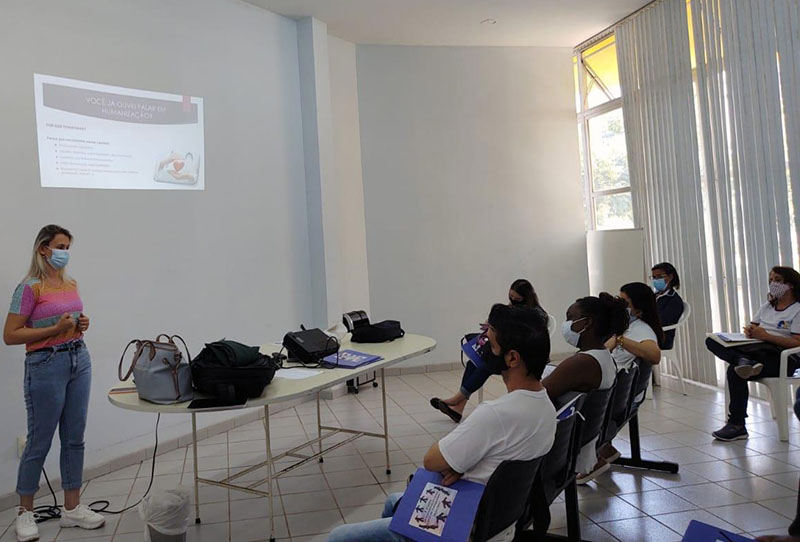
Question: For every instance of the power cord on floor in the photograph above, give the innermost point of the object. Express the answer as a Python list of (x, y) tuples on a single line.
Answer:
[(47, 512)]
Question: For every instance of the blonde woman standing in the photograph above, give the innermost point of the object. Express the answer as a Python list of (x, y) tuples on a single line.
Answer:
[(46, 315)]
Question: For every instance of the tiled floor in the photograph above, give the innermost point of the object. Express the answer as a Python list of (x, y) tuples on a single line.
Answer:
[(749, 486)]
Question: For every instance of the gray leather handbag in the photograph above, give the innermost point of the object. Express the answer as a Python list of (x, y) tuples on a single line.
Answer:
[(159, 370)]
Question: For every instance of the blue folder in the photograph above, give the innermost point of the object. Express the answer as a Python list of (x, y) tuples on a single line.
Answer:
[(350, 359), (430, 512), (471, 347), (703, 532)]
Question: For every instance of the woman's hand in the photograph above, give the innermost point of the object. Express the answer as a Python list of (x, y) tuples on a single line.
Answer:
[(65, 323), (83, 323), (758, 332)]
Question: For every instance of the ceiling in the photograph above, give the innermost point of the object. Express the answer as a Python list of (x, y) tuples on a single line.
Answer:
[(541, 23)]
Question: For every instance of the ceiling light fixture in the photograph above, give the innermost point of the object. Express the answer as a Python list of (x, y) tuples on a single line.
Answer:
[(489, 21)]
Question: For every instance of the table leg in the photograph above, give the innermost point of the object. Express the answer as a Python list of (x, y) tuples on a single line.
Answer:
[(269, 476), (194, 456), (319, 428), (385, 422)]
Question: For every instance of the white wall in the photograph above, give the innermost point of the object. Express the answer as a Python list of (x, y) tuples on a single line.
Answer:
[(354, 290), (471, 180), (231, 261)]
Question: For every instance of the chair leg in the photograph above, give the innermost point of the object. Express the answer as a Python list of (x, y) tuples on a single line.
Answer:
[(777, 391), (677, 368), (772, 410), (635, 460), (656, 375)]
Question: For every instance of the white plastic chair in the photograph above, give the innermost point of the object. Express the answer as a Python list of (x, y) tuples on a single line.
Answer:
[(552, 324), (551, 329), (779, 392), (667, 355)]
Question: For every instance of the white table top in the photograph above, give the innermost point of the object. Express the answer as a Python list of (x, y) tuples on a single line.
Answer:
[(284, 389)]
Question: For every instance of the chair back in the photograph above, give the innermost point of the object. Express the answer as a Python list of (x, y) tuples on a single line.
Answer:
[(594, 414), (558, 466), (687, 312), (552, 324), (619, 406), (505, 498), (645, 373)]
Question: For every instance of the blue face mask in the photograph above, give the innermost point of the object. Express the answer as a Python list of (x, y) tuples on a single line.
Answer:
[(659, 285), (59, 258)]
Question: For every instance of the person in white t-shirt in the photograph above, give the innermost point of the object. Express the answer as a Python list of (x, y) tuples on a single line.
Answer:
[(642, 340), (520, 425), (777, 325)]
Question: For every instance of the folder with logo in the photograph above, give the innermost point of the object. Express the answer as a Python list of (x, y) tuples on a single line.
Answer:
[(472, 349), (431, 512), (703, 532), (350, 359)]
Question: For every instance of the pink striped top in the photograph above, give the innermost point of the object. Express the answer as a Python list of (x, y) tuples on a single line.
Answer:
[(44, 305)]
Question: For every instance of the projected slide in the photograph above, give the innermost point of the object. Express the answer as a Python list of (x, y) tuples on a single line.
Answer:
[(99, 136)]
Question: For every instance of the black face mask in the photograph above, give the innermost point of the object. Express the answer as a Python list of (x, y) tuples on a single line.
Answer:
[(494, 362), (517, 302)]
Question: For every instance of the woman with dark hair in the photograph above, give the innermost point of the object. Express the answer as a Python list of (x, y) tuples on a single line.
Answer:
[(777, 326), (591, 321), (641, 340), (521, 294), (670, 305)]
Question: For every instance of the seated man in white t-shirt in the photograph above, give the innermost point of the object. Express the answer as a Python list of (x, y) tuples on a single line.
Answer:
[(777, 325), (520, 425)]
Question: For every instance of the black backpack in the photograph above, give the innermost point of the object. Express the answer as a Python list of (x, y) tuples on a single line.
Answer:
[(232, 371), (388, 330)]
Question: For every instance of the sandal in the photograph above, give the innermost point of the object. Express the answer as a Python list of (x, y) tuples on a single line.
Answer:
[(440, 405)]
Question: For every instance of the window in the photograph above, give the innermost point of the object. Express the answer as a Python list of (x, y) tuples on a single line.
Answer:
[(601, 133)]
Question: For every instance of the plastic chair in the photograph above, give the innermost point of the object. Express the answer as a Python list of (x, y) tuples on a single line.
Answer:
[(552, 325), (668, 356), (779, 393), (505, 498)]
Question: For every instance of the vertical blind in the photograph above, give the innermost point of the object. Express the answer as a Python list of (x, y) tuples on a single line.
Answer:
[(661, 135), (718, 185), (747, 53)]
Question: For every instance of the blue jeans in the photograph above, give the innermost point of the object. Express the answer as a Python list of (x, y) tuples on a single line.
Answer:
[(57, 386), (473, 379), (376, 530)]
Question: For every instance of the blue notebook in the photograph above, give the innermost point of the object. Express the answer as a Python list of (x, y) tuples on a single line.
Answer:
[(703, 532), (431, 512), (350, 359)]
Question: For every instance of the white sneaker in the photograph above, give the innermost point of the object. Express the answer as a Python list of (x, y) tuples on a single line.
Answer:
[(81, 516), (26, 526)]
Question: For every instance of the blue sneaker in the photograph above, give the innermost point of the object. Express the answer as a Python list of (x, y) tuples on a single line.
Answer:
[(731, 432)]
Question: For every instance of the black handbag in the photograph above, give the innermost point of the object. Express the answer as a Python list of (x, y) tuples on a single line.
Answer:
[(388, 330), (232, 371)]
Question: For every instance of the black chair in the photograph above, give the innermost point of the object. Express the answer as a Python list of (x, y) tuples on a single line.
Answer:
[(556, 474), (505, 498), (619, 407), (594, 413), (635, 461)]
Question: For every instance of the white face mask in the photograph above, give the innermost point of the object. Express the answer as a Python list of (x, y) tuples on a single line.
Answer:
[(571, 336), (778, 289)]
